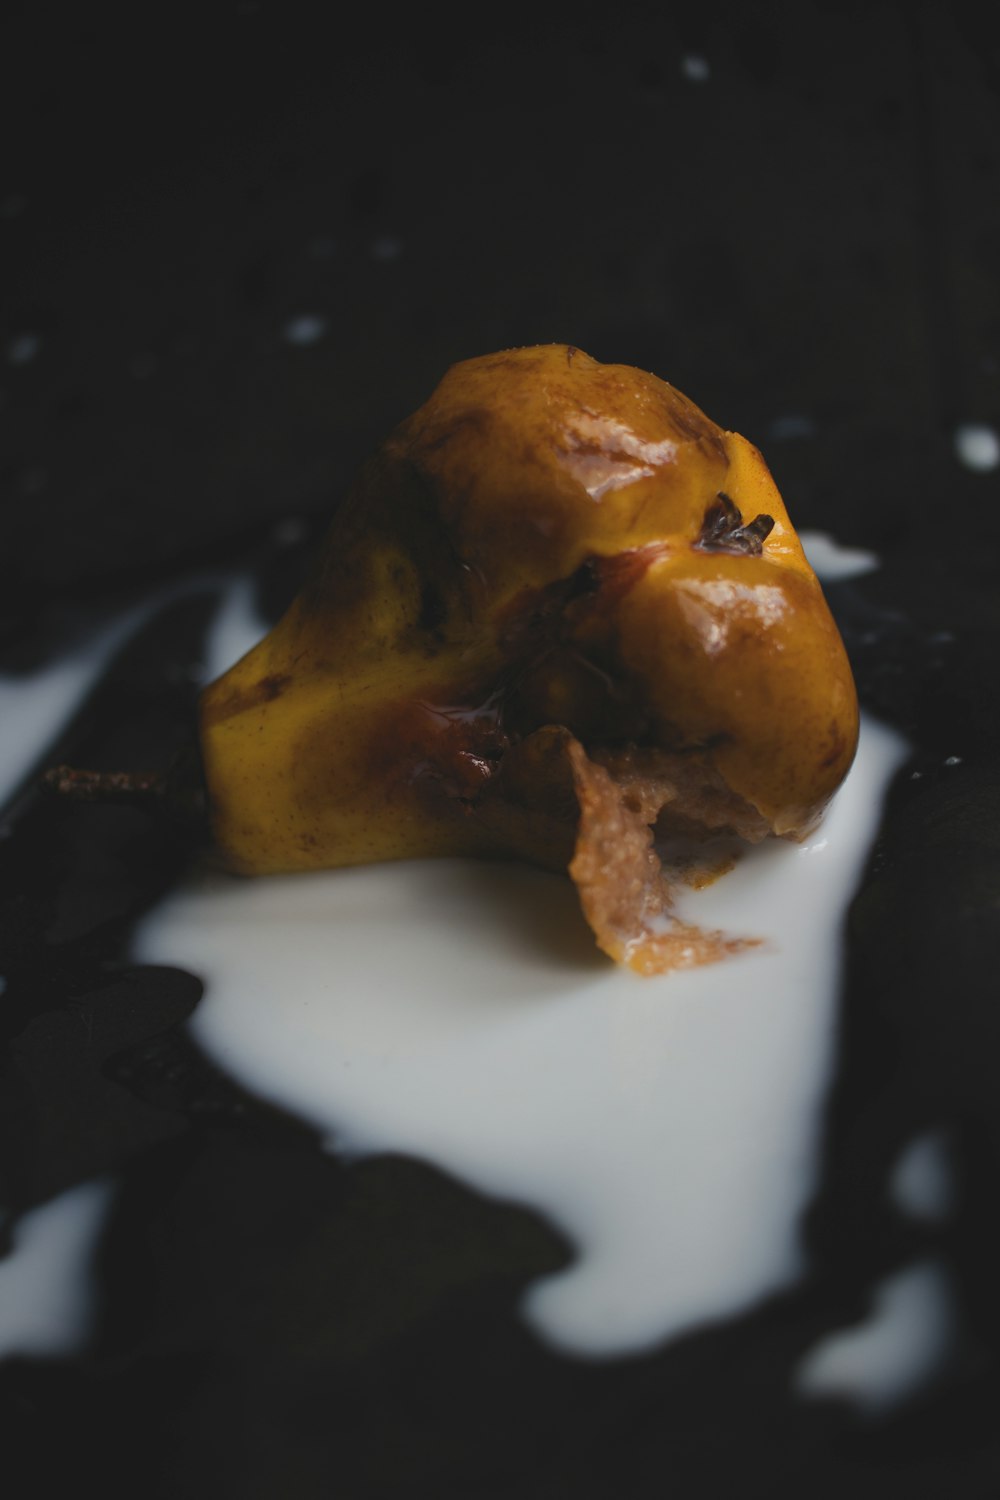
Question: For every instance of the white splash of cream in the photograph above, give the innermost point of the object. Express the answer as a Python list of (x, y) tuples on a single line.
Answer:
[(457, 1010), (307, 328), (831, 562), (901, 1347), (922, 1182), (695, 67), (23, 348), (46, 1292), (977, 446), (237, 627)]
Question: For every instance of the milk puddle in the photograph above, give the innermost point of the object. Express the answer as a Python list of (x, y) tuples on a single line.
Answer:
[(46, 1284), (459, 1012)]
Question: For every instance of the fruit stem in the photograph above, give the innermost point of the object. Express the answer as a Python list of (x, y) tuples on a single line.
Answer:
[(106, 786), (178, 790)]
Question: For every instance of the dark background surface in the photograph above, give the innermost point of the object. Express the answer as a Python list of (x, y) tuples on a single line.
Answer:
[(805, 241)]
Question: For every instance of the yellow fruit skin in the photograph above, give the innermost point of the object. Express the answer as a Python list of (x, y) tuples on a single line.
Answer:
[(527, 548)]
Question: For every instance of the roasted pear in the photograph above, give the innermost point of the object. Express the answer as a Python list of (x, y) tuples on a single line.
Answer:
[(560, 612)]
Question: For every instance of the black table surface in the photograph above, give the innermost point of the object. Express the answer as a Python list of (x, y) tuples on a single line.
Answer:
[(236, 251)]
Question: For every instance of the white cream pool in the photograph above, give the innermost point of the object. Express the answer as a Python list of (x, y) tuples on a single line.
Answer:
[(457, 1011)]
